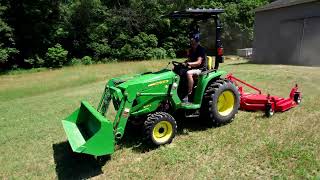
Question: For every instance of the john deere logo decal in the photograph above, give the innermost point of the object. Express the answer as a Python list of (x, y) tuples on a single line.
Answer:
[(158, 83)]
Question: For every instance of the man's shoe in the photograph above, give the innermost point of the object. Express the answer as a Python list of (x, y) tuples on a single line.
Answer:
[(185, 99)]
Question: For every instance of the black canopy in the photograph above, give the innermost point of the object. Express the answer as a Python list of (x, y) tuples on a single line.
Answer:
[(196, 13)]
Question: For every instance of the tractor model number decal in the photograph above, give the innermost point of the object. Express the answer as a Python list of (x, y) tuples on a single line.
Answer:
[(146, 106), (158, 83)]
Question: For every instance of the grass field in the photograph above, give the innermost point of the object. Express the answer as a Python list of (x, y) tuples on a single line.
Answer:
[(33, 144)]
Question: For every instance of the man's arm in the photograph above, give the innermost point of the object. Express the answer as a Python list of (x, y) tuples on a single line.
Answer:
[(196, 63), (200, 53)]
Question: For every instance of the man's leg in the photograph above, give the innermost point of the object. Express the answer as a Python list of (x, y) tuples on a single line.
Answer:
[(190, 75), (190, 81)]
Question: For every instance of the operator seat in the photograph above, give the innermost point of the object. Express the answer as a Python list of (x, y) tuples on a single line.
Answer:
[(209, 62)]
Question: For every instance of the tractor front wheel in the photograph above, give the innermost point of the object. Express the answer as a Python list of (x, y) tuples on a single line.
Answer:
[(160, 128), (221, 102)]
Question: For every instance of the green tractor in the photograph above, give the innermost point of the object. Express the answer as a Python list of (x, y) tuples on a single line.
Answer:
[(151, 99)]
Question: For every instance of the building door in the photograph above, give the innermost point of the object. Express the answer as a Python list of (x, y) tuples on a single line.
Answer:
[(289, 43), (310, 43)]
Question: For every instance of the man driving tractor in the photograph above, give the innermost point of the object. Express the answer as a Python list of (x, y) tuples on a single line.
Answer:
[(195, 62), (150, 97)]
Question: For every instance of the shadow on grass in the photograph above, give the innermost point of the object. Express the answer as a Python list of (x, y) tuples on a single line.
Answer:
[(135, 138), (241, 63), (71, 165), (193, 124)]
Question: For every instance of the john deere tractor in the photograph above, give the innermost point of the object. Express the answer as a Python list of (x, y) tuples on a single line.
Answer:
[(151, 99)]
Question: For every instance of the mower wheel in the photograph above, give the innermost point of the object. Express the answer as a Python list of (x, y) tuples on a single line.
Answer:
[(269, 111), (221, 102), (160, 128), (297, 98)]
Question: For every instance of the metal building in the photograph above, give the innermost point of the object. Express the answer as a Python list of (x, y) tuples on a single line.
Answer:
[(287, 32)]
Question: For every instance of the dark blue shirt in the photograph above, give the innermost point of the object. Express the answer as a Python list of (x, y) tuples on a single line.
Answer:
[(195, 54)]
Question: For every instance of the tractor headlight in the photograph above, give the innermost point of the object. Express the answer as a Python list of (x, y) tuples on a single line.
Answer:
[(174, 85)]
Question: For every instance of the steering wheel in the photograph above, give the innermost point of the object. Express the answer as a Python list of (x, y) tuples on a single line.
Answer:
[(176, 63), (179, 68)]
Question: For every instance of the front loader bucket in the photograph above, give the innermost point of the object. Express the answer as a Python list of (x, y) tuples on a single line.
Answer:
[(89, 132)]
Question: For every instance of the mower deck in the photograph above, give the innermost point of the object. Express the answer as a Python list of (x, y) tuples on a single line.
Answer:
[(265, 102)]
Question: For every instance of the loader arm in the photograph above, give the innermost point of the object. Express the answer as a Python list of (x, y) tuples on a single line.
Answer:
[(90, 132), (123, 110)]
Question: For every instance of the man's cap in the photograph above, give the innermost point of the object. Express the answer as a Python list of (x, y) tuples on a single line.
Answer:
[(195, 36)]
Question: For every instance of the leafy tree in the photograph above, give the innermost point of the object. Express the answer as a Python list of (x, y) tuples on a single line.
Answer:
[(7, 43), (34, 22), (32, 33)]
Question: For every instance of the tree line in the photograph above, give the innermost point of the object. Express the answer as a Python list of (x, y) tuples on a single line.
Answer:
[(54, 33)]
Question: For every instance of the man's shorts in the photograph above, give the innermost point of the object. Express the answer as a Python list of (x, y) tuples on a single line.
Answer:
[(194, 71)]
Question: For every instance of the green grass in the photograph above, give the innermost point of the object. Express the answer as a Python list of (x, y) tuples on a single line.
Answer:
[(32, 140)]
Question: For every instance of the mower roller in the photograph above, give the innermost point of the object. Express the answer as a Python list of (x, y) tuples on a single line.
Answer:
[(265, 102)]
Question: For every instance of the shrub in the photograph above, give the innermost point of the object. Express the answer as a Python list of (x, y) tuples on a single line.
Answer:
[(137, 54), (35, 61), (168, 45), (75, 62), (56, 56), (157, 53), (126, 51), (86, 60), (171, 53), (100, 50), (107, 60), (5, 53), (143, 41)]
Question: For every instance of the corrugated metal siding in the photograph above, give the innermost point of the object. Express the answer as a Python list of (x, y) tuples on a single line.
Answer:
[(279, 35)]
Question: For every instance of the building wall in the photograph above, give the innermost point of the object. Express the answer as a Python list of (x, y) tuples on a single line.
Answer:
[(289, 35)]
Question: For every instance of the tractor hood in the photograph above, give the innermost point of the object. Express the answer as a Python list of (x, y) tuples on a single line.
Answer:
[(144, 79)]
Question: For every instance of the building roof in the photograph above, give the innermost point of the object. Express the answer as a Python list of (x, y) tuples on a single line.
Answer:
[(281, 4)]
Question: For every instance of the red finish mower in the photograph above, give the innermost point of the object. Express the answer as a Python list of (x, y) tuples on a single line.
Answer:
[(265, 102)]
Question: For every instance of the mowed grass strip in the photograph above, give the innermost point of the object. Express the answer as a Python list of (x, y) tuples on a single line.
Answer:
[(34, 83), (285, 146)]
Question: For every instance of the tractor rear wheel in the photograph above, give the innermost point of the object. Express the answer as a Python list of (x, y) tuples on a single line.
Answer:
[(160, 128), (221, 102)]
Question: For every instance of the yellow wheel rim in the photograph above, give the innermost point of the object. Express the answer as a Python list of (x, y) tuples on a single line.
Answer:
[(226, 103), (162, 131)]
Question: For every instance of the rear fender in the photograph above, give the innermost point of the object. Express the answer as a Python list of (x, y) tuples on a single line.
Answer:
[(203, 82)]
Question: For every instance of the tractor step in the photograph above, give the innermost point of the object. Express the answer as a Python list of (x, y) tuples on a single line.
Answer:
[(192, 114), (190, 106)]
